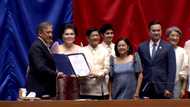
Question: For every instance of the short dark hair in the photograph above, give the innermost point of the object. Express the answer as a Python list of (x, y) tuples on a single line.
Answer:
[(105, 27), (43, 25), (67, 26), (90, 30), (153, 22), (130, 50)]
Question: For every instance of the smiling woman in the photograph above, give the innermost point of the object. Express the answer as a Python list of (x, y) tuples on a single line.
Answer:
[(174, 35), (68, 35), (123, 72)]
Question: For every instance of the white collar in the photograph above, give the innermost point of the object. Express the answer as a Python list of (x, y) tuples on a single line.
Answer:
[(47, 45), (106, 45), (91, 48), (157, 43)]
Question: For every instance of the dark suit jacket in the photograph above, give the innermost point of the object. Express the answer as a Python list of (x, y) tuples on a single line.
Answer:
[(42, 73), (161, 70)]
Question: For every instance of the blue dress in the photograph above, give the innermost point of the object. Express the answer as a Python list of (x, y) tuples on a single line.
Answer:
[(123, 81), (123, 77)]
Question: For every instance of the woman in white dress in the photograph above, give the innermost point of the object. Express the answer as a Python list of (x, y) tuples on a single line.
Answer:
[(174, 34)]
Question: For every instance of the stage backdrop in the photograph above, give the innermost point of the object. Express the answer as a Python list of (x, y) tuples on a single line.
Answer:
[(131, 17), (19, 19), (18, 22)]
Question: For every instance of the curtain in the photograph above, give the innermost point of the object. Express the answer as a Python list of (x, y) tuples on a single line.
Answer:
[(130, 18), (18, 22)]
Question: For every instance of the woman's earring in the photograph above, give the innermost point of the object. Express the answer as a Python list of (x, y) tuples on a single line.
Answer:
[(128, 49)]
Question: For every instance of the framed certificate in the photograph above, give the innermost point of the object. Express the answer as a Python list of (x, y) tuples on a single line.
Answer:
[(63, 64), (79, 64)]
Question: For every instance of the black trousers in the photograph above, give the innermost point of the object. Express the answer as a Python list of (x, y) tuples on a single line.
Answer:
[(150, 93)]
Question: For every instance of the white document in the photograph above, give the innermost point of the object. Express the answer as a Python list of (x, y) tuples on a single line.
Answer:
[(79, 64), (31, 95)]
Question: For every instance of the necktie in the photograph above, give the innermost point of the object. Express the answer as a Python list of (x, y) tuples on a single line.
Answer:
[(154, 50)]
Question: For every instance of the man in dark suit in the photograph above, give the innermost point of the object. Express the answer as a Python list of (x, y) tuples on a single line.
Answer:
[(159, 65), (42, 73)]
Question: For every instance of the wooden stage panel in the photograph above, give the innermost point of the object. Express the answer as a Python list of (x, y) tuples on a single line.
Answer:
[(111, 103)]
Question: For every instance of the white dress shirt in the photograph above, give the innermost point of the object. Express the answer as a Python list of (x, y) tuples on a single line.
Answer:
[(98, 61), (109, 48), (151, 46)]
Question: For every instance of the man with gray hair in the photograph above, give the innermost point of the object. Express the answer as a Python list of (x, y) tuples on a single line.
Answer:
[(42, 73)]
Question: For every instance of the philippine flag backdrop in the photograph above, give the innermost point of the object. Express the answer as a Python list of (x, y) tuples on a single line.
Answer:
[(19, 19)]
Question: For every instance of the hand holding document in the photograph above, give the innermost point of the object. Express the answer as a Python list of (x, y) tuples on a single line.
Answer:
[(95, 74), (72, 64)]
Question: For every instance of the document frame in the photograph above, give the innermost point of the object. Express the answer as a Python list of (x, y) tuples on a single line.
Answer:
[(79, 64)]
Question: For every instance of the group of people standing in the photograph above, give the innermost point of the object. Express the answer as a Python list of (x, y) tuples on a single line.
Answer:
[(157, 70)]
